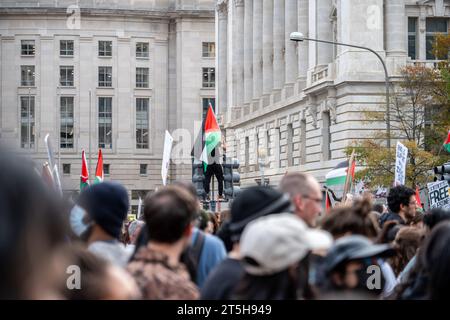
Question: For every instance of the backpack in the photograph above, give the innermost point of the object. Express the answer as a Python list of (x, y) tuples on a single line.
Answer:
[(191, 255)]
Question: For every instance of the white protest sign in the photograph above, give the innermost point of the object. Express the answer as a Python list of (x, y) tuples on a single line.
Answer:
[(168, 140), (400, 164), (439, 194)]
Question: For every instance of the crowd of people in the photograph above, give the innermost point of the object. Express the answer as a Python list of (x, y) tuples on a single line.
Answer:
[(273, 243)]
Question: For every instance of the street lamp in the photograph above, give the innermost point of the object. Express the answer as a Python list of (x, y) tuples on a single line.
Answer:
[(298, 36), (262, 153)]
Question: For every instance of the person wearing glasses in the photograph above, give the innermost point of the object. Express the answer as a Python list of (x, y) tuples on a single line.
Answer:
[(402, 206), (306, 197)]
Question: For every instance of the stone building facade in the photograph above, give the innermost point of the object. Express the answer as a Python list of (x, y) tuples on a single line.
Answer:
[(299, 104), (105, 74)]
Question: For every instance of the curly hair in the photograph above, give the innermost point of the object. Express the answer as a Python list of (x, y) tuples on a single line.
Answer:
[(353, 219), (397, 196)]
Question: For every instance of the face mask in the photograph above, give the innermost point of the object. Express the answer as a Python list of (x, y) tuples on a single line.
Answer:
[(76, 220)]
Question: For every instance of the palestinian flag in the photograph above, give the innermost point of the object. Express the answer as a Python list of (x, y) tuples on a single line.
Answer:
[(99, 169), (84, 178), (338, 175), (447, 142), (212, 136)]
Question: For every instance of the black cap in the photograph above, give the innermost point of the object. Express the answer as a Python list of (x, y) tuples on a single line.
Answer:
[(253, 203), (107, 204)]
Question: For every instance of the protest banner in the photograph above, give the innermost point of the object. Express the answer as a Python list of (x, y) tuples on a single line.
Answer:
[(438, 193)]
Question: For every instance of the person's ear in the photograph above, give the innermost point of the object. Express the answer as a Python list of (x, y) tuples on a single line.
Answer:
[(298, 202)]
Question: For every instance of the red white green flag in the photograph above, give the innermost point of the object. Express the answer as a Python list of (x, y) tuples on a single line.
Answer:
[(212, 136), (84, 178), (447, 142), (99, 169)]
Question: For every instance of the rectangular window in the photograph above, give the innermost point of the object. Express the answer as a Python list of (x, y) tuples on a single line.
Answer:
[(27, 47), (205, 106), (66, 168), (326, 136), (290, 144), (66, 76), (209, 77), (27, 76), (106, 169), (66, 48), (27, 122), (142, 77), (208, 50), (303, 141), (105, 122), (105, 76), (143, 169), (66, 122), (105, 48), (142, 50), (434, 26), (142, 123), (412, 23)]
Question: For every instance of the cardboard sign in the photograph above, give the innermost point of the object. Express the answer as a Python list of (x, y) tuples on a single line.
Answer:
[(400, 164), (439, 194)]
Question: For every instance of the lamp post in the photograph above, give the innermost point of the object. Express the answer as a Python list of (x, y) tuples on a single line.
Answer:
[(262, 153), (298, 36)]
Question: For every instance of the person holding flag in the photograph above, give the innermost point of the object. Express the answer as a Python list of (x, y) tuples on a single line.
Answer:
[(213, 137)]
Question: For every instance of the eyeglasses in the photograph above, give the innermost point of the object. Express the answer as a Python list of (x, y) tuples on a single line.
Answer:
[(317, 200)]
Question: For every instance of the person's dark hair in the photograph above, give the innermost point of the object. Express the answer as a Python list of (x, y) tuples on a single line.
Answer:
[(31, 225), (168, 213), (435, 216), (388, 232), (202, 219), (378, 207), (397, 196), (407, 241), (436, 260), (351, 220)]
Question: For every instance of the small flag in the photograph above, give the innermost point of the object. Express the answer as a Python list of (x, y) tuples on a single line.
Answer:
[(447, 142), (99, 169), (419, 203), (327, 202), (84, 178)]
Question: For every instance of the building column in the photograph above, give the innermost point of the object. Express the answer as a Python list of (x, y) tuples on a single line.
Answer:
[(257, 49), (248, 51), (278, 44), (239, 63), (267, 48), (302, 47), (291, 67), (395, 23), (222, 99), (324, 32)]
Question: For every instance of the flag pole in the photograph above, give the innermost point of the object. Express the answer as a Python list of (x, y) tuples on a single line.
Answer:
[(347, 178)]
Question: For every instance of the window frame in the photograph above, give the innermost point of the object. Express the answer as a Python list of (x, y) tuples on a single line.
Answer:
[(26, 82), (103, 140), (209, 83), (142, 54), (140, 123), (103, 50), (69, 142), (208, 53), (104, 83), (66, 52), (30, 121), (67, 82), (33, 50), (143, 81)]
